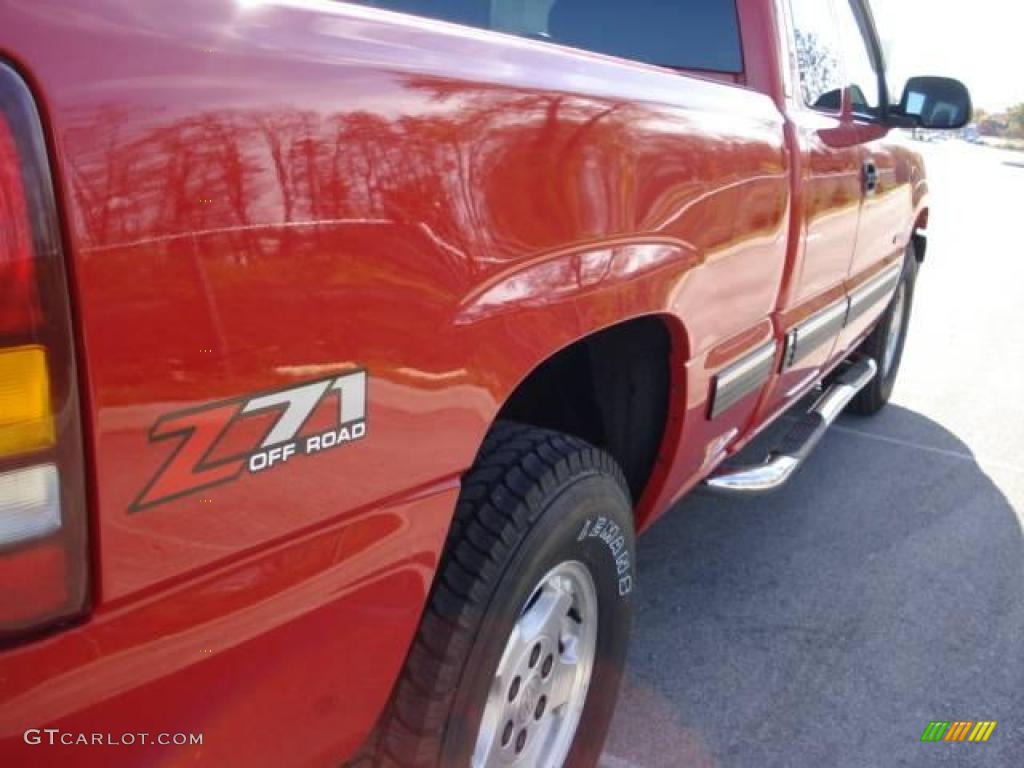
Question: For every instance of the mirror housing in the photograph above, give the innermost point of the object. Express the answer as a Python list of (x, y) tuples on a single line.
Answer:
[(934, 103)]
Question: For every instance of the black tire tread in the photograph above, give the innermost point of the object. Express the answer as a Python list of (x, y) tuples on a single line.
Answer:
[(518, 468)]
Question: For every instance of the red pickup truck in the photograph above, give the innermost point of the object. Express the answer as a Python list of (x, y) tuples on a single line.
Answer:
[(345, 348)]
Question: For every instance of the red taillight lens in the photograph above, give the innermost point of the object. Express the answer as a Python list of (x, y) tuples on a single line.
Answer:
[(19, 297), (43, 526)]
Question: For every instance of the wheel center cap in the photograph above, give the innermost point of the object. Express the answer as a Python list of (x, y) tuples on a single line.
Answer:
[(528, 701)]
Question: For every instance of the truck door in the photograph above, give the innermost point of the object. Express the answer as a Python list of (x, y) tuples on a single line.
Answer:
[(827, 166), (887, 209)]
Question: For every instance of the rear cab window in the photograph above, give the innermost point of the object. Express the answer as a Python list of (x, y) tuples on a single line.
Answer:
[(701, 35)]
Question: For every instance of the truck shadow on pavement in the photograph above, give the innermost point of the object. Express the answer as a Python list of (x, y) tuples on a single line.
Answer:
[(828, 624)]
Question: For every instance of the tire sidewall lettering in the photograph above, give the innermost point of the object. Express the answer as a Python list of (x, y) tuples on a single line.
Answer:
[(609, 532)]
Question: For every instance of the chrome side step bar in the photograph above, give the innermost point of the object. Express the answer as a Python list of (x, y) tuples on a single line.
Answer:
[(798, 444)]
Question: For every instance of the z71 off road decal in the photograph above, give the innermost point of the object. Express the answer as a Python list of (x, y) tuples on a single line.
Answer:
[(220, 441)]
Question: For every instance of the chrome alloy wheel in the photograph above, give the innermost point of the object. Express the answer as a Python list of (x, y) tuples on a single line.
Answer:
[(895, 329), (539, 689)]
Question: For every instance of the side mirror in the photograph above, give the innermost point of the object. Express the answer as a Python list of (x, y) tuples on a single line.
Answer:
[(935, 103)]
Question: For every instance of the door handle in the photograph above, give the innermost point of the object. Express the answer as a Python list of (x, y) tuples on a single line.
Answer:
[(870, 177)]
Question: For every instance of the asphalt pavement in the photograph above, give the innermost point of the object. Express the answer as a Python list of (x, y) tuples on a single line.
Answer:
[(827, 625)]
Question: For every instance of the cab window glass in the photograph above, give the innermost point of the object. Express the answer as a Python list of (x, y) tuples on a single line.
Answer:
[(684, 34), (819, 54), (861, 75)]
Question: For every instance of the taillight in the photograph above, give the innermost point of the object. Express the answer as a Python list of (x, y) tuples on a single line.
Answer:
[(44, 575)]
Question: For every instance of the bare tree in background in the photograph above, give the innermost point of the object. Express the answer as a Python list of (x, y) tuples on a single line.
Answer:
[(820, 75)]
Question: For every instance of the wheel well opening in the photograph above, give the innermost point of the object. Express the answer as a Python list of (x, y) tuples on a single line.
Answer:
[(610, 389)]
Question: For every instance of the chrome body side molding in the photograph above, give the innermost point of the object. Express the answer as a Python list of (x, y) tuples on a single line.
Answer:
[(815, 331), (748, 373), (818, 329), (873, 291), (741, 378)]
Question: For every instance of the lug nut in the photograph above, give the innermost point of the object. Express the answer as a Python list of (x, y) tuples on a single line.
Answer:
[(513, 690), (534, 655), (541, 704), (506, 734)]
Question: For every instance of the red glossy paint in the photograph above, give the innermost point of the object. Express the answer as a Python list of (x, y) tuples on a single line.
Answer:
[(262, 194)]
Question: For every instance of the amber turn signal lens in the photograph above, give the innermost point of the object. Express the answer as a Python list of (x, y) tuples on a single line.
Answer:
[(26, 418)]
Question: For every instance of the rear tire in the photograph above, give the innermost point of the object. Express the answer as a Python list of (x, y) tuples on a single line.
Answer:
[(885, 343), (524, 636)]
